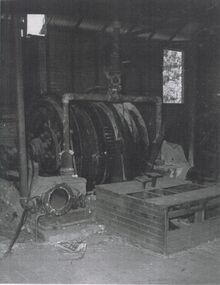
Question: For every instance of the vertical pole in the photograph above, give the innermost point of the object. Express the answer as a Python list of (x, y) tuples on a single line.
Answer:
[(114, 76), (68, 163), (20, 109), (192, 104), (115, 57), (66, 131)]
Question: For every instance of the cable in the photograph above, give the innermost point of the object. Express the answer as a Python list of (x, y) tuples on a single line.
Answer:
[(23, 218), (18, 230)]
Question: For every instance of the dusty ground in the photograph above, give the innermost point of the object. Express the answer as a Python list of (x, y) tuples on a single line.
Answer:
[(108, 259)]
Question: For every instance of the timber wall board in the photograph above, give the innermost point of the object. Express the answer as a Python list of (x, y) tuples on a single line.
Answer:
[(7, 66), (208, 107), (77, 61)]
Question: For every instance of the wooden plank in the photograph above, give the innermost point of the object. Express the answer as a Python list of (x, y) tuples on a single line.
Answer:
[(190, 209), (155, 230), (166, 228), (135, 225), (213, 202), (145, 216), (132, 230), (144, 203), (148, 218), (182, 212), (195, 195), (127, 201), (135, 186), (133, 238), (199, 216), (121, 187), (135, 215), (193, 235), (131, 206), (184, 188), (138, 240)]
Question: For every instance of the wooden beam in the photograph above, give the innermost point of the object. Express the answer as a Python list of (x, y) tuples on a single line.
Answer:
[(179, 29)]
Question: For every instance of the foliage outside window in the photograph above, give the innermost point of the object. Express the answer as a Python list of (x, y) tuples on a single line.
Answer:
[(172, 76)]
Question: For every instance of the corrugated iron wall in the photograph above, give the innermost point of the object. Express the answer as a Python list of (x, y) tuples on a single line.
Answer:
[(72, 60), (86, 64), (8, 130), (77, 61), (7, 70), (34, 67), (60, 60), (208, 108)]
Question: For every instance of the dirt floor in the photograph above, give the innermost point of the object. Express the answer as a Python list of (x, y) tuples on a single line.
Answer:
[(108, 258)]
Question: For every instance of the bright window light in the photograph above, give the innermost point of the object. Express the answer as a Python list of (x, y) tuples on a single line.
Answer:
[(35, 24), (172, 76)]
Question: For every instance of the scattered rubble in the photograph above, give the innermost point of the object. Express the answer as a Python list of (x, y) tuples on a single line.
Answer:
[(76, 248), (10, 208)]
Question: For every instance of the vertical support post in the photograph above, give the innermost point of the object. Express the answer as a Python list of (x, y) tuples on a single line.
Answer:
[(66, 131), (115, 57), (199, 216), (114, 74), (20, 110), (166, 229), (68, 164), (158, 106), (192, 103)]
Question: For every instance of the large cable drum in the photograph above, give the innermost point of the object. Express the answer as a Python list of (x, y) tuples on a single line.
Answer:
[(110, 141), (45, 135)]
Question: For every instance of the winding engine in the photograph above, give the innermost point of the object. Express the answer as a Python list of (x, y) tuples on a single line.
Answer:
[(110, 140)]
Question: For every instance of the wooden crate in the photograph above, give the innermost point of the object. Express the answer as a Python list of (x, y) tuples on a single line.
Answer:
[(173, 216)]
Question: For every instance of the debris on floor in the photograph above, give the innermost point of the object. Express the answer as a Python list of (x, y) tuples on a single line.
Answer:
[(3, 249), (10, 208), (101, 229), (77, 248)]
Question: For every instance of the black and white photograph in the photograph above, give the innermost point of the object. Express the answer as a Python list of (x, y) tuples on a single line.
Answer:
[(110, 142)]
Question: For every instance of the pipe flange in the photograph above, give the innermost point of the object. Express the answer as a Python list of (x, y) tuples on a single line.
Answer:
[(47, 198)]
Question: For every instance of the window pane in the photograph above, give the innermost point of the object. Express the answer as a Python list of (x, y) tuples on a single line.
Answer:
[(35, 23), (172, 76)]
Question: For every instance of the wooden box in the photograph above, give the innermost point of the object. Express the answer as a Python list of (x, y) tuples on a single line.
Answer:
[(170, 217)]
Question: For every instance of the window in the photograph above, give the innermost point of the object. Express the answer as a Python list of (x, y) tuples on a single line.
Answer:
[(35, 24), (172, 76)]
